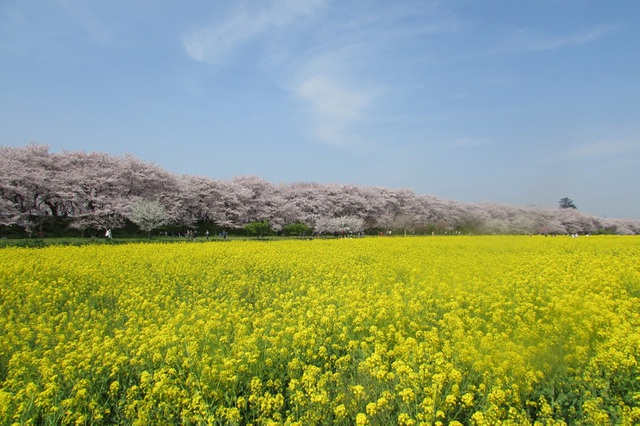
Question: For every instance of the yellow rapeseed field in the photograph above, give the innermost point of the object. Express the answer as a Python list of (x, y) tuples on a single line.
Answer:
[(371, 331)]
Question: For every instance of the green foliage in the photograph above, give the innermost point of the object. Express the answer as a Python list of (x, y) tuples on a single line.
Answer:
[(297, 228), (257, 228), (567, 203)]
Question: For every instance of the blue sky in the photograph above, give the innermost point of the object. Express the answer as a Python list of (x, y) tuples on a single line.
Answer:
[(518, 102)]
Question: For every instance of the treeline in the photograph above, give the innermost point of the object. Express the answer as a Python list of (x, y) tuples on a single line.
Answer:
[(85, 192)]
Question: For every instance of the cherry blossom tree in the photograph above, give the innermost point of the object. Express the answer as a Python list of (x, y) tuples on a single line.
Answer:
[(621, 226), (9, 214), (148, 215), (97, 190), (27, 176), (193, 201), (96, 198), (339, 225), (257, 195), (305, 203)]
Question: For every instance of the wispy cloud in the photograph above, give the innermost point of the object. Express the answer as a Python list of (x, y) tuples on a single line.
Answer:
[(334, 106), (320, 76), (247, 22), (602, 149), (52, 28), (332, 70), (341, 80), (533, 40), (100, 32)]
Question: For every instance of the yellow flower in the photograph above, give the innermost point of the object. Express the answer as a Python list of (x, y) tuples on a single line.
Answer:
[(340, 411), (408, 395), (419, 327), (405, 420), (358, 391), (467, 400), (361, 419), (372, 409)]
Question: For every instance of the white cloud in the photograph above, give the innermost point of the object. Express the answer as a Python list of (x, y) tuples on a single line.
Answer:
[(320, 75), (331, 68), (335, 107), (245, 23), (331, 100)]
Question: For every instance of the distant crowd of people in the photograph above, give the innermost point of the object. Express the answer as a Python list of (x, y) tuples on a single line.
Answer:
[(192, 235)]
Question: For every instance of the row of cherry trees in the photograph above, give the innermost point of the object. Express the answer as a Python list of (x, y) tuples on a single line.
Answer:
[(98, 190)]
